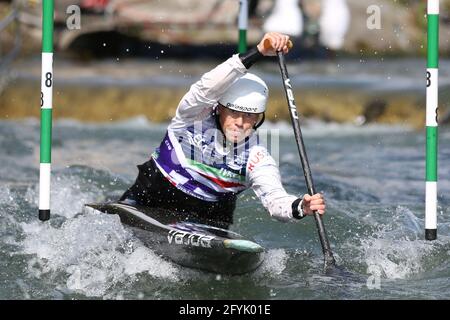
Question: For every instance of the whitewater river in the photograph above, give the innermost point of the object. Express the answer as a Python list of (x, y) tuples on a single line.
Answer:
[(372, 178)]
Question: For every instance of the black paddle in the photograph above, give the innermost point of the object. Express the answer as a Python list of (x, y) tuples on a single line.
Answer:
[(328, 255)]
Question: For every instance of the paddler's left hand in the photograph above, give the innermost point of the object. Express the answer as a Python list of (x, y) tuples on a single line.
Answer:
[(273, 42), (313, 203)]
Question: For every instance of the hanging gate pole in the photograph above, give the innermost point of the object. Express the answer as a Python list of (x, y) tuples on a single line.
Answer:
[(432, 120), (46, 109), (243, 24)]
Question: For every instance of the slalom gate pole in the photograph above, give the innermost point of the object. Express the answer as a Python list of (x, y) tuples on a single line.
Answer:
[(243, 24), (46, 109), (432, 119)]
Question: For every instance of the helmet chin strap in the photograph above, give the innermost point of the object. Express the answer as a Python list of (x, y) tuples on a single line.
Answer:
[(216, 116), (256, 126)]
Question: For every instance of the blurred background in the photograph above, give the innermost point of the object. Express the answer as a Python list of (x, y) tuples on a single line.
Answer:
[(356, 61)]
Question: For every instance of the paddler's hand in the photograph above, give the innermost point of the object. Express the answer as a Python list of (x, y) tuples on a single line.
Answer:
[(313, 203), (273, 42)]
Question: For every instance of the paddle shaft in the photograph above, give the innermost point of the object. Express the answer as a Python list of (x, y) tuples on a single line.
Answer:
[(328, 255)]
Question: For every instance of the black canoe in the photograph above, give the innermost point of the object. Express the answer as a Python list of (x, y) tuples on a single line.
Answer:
[(185, 242)]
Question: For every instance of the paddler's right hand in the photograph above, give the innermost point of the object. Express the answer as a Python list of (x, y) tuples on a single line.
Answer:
[(313, 203), (273, 42)]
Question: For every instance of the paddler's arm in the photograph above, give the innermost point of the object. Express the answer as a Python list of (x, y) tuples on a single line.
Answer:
[(203, 95), (265, 180), (198, 102)]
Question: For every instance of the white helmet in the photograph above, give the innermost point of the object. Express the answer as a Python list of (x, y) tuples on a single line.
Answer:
[(247, 94)]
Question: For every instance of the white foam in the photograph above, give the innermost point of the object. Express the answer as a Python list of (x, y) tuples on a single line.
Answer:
[(398, 259), (95, 251), (396, 249), (274, 262), (67, 197), (6, 197), (143, 260)]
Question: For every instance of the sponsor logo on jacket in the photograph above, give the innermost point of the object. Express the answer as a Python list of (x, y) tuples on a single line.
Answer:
[(255, 159)]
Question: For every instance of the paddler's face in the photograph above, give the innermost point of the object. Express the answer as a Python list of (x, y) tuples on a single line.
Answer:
[(236, 125)]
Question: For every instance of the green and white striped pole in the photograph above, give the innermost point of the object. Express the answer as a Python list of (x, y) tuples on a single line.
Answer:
[(46, 109), (243, 24), (432, 120)]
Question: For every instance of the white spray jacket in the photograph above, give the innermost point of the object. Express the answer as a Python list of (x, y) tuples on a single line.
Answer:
[(195, 157)]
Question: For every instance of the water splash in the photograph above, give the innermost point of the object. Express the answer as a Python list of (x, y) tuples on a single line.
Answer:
[(396, 249), (73, 187), (93, 252), (274, 262)]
